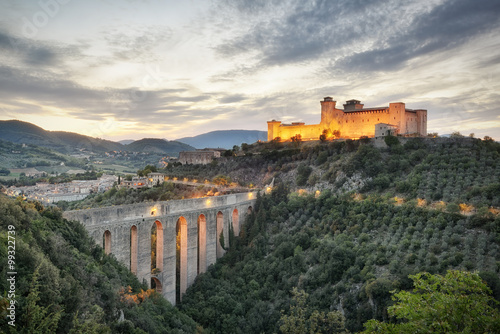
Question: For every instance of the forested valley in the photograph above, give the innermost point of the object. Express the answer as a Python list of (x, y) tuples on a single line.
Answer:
[(345, 225)]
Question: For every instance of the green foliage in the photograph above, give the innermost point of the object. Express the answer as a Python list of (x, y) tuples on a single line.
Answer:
[(456, 303), (298, 322), (221, 240), (342, 252), (148, 169), (303, 172), (75, 285), (165, 191), (38, 319), (391, 140), (322, 158)]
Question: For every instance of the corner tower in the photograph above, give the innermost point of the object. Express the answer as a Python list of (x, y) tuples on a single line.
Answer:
[(273, 129), (327, 110)]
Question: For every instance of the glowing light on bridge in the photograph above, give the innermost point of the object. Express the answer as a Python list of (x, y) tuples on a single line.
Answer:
[(153, 211)]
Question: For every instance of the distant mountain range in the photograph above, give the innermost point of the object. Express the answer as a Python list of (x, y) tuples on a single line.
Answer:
[(224, 138), (20, 132), (67, 142)]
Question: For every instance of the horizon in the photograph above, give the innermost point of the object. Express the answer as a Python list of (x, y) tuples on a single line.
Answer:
[(168, 70)]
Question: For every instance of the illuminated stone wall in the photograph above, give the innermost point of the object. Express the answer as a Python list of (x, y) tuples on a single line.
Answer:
[(354, 121)]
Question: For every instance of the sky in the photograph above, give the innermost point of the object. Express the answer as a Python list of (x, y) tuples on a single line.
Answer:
[(132, 69)]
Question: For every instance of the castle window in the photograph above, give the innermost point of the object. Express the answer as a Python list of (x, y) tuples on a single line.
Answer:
[(378, 119), (347, 121)]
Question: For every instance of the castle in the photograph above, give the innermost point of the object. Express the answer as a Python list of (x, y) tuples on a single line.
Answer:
[(354, 122)]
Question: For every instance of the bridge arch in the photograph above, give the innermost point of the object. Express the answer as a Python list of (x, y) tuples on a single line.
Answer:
[(156, 284), (220, 231), (236, 222), (157, 246), (202, 244), (106, 239), (181, 258), (133, 249)]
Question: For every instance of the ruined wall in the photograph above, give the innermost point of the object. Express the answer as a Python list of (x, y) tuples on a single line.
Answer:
[(121, 220), (197, 157)]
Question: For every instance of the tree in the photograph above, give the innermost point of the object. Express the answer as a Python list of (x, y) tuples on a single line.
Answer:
[(37, 318), (296, 140), (488, 139), (391, 140), (459, 302), (324, 136), (318, 322)]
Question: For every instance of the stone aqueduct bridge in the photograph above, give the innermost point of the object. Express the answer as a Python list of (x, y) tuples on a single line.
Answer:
[(126, 230)]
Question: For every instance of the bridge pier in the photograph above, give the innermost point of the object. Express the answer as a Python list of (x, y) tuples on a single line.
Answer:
[(128, 235)]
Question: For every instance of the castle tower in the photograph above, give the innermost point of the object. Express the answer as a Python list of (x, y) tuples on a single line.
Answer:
[(327, 110), (422, 122), (397, 116)]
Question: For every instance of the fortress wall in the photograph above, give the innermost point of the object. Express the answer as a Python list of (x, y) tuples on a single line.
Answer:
[(411, 122), (308, 132), (357, 124)]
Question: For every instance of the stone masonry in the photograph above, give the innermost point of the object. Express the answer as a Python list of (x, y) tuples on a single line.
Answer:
[(125, 232)]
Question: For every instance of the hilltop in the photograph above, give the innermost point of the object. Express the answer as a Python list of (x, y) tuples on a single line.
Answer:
[(224, 138), (65, 142), (346, 223)]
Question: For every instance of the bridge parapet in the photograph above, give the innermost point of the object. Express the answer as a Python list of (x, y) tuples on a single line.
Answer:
[(102, 216)]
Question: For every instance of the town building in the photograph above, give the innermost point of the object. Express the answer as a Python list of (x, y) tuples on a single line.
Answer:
[(354, 121), (155, 179)]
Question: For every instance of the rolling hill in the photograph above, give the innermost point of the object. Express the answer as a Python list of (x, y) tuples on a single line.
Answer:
[(224, 138), (65, 142), (157, 145), (19, 132)]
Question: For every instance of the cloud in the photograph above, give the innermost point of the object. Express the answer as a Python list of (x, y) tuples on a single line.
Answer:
[(296, 31), (446, 26), (38, 54), (138, 43), (232, 98), (363, 35)]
